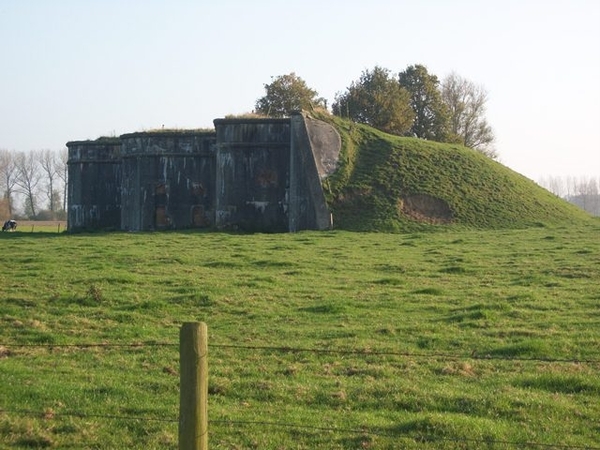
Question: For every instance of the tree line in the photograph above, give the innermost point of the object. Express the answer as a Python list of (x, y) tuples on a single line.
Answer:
[(413, 103), (33, 185), (581, 191)]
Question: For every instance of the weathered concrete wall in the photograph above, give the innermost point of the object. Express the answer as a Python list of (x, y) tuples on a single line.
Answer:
[(325, 143), (94, 190), (168, 180), (250, 174), (315, 148), (269, 173), (253, 159)]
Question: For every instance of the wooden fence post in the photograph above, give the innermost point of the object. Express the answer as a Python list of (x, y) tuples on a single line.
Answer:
[(193, 388)]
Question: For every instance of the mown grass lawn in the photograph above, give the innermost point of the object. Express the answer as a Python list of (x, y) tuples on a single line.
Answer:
[(457, 339)]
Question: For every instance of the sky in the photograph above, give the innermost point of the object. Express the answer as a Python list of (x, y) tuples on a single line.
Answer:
[(81, 69)]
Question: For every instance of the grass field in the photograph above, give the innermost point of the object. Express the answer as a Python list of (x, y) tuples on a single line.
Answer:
[(337, 340)]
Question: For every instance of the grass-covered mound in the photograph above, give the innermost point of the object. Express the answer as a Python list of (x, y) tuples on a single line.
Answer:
[(391, 183)]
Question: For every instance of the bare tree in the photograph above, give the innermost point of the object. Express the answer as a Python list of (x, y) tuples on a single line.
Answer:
[(466, 104), (587, 186), (586, 194), (50, 166), (8, 179), (28, 179), (556, 185), (63, 174), (571, 186), (581, 191)]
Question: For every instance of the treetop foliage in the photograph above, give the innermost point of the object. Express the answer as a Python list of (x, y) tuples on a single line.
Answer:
[(287, 93), (378, 100), (431, 114), (415, 103)]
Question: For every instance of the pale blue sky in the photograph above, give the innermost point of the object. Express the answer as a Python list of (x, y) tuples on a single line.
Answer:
[(79, 69)]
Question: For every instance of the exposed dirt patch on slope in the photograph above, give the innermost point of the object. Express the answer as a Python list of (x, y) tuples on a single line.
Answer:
[(426, 208)]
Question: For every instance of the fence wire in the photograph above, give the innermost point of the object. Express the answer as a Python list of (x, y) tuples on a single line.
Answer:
[(369, 352), (50, 414), (384, 433), (287, 349)]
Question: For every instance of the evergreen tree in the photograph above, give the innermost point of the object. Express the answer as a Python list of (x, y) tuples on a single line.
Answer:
[(431, 114), (378, 100)]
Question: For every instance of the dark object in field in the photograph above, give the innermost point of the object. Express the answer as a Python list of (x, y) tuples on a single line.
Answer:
[(9, 225)]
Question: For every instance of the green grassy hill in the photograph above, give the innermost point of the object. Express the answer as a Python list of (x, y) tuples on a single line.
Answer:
[(391, 183)]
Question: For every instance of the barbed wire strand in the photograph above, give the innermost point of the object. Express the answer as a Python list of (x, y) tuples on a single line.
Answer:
[(382, 433), (287, 349), (367, 352), (51, 414), (364, 431), (88, 345)]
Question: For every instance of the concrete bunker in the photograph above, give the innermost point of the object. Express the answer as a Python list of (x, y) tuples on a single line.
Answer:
[(249, 174)]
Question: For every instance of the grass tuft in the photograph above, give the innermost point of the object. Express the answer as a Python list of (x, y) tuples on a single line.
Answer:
[(94, 295)]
